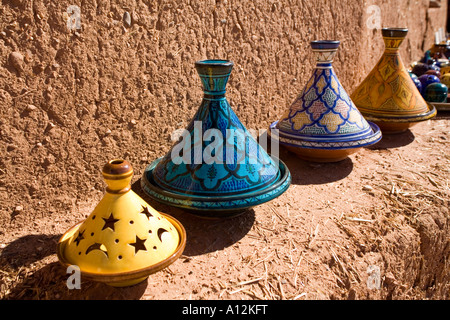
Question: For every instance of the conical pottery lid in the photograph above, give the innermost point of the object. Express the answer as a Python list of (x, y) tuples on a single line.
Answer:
[(124, 239), (388, 92), (323, 116), (216, 165)]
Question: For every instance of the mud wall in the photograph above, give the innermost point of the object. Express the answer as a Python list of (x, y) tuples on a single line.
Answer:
[(73, 99)]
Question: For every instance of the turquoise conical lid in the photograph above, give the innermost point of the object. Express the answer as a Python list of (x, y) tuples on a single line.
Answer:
[(216, 164)]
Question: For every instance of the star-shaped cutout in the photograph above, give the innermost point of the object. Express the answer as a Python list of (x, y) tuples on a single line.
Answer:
[(79, 237), (146, 211), (109, 223), (138, 245)]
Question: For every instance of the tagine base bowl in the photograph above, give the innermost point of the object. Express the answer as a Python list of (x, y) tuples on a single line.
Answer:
[(333, 150), (214, 207), (396, 125), (123, 279)]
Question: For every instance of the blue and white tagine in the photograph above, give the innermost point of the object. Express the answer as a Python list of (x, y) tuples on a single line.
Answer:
[(323, 124)]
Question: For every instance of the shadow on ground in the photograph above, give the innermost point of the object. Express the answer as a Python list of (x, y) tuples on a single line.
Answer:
[(397, 140), (311, 173), (28, 249), (50, 281), (204, 235)]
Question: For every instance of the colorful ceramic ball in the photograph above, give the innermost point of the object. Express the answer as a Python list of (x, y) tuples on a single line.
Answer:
[(445, 79), (418, 84), (420, 69), (433, 66), (436, 92), (413, 76), (427, 79), (434, 72)]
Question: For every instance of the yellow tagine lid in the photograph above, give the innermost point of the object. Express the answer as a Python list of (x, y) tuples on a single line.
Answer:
[(388, 94), (124, 239)]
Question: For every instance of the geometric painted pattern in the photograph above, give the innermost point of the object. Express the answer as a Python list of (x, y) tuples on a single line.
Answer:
[(323, 115), (324, 108), (388, 90), (241, 174), (240, 164)]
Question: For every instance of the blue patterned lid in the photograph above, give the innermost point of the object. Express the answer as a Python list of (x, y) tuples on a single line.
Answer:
[(215, 155), (323, 112)]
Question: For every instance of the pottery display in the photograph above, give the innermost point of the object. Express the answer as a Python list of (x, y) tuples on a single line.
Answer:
[(418, 84), (323, 124), (433, 72), (426, 80), (124, 239), (388, 95), (239, 175), (436, 92), (413, 75), (420, 68), (416, 81)]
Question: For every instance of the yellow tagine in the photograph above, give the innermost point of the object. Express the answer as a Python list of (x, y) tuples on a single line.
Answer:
[(124, 239), (388, 95)]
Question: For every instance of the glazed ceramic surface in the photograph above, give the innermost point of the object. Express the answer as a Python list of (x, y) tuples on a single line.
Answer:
[(434, 73), (323, 117), (418, 84), (413, 76), (436, 92), (420, 68), (242, 176), (388, 95), (426, 80), (124, 239)]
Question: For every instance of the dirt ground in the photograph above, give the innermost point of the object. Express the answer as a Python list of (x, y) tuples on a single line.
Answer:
[(386, 206), (72, 100)]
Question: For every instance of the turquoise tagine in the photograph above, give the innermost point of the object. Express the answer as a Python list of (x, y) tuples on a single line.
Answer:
[(323, 124), (216, 168)]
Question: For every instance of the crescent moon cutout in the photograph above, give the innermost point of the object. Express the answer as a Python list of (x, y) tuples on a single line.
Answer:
[(160, 232), (96, 246)]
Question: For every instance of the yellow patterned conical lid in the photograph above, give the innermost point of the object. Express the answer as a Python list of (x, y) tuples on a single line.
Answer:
[(124, 239), (388, 92)]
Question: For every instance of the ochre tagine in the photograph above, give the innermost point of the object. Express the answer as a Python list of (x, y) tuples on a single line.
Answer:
[(124, 239), (216, 169), (388, 95), (323, 124)]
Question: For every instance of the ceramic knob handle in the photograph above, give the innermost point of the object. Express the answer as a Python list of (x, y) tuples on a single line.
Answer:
[(117, 174)]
